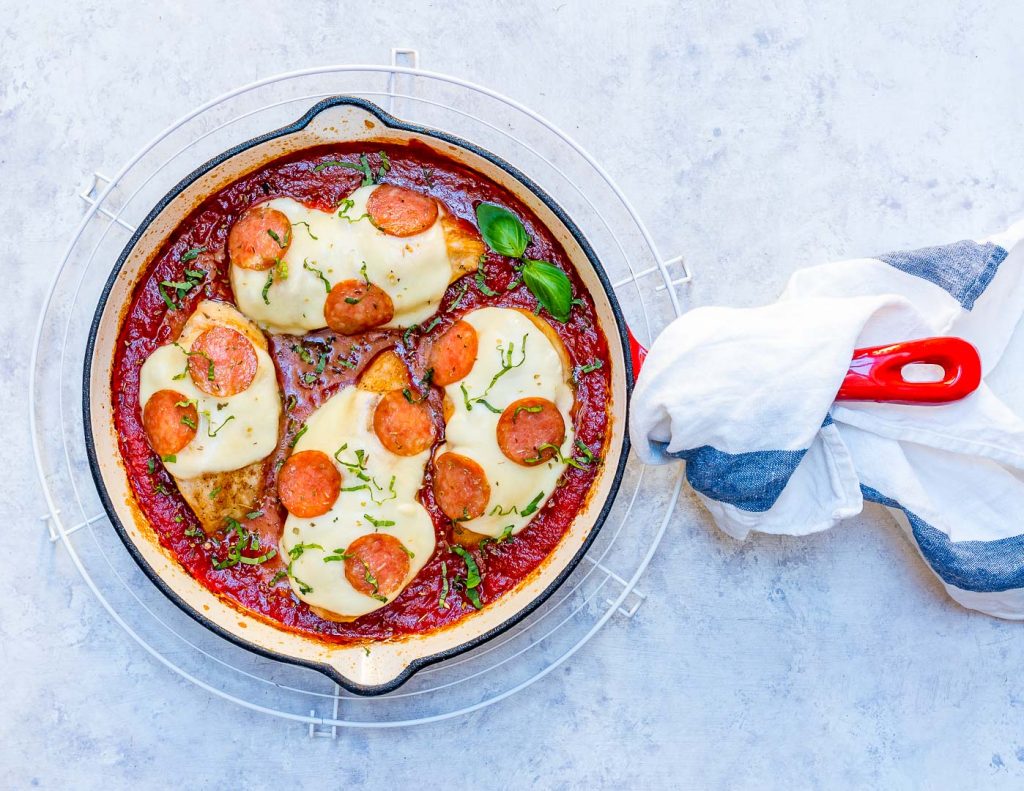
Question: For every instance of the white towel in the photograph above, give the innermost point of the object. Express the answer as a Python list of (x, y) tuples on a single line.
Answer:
[(745, 397)]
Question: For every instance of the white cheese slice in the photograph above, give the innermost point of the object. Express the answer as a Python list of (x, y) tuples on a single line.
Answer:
[(233, 431), (414, 271), (346, 420), (472, 428)]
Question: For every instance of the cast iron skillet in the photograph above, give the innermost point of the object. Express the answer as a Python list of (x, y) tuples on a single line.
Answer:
[(390, 663)]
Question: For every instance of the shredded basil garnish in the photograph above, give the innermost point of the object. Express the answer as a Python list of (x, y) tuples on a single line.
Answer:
[(319, 273), (295, 439), (532, 505)]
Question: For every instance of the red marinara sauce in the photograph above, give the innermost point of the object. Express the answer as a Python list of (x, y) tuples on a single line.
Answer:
[(201, 241)]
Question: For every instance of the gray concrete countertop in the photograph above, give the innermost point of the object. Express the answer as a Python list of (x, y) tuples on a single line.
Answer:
[(755, 137)]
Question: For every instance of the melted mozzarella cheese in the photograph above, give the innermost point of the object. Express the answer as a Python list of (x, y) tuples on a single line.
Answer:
[(233, 431), (346, 419), (413, 270), (472, 431)]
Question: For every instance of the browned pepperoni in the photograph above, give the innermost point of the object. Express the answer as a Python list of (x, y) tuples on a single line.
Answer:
[(308, 484), (460, 486), (259, 238), (222, 362), (404, 427), (399, 211), (354, 306), (453, 354), (376, 564), (525, 426), (170, 421)]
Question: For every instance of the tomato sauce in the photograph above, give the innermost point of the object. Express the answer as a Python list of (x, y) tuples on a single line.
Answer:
[(149, 323)]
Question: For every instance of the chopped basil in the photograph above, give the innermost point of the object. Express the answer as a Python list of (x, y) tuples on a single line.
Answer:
[(170, 458), (505, 358), (195, 532), (343, 210), (151, 464), (296, 551), (481, 282), (278, 577), (166, 299), (362, 166), (384, 167), (532, 505), (308, 229), (409, 553), (588, 455), (210, 430), (352, 300), (266, 287), (378, 522), (458, 299), (472, 569), (304, 353), (531, 409), (319, 273), (590, 367), (488, 404), (192, 255), (254, 515), (474, 598), (214, 492), (313, 375), (273, 235), (442, 600), (295, 439), (188, 421), (498, 510), (245, 540)]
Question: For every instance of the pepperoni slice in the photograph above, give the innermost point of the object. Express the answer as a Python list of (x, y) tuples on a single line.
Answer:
[(259, 238), (399, 211), (354, 306), (525, 426), (453, 354), (308, 484), (376, 564), (404, 427), (169, 425), (222, 362), (460, 486)]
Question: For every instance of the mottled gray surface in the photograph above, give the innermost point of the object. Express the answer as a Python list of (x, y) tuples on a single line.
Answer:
[(755, 136)]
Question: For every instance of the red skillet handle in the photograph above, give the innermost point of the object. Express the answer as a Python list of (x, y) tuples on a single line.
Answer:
[(876, 374)]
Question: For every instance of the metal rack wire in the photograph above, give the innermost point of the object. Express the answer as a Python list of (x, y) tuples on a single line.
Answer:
[(601, 587)]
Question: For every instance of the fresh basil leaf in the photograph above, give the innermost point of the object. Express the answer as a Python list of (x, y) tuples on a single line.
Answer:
[(501, 230), (550, 286)]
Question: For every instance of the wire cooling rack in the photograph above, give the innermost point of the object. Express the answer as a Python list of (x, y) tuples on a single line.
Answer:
[(602, 587)]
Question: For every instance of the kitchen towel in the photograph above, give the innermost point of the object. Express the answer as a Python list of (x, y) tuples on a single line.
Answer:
[(745, 398)]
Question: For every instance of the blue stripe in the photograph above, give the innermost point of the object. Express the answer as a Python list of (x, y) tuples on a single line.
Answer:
[(981, 566), (750, 481), (963, 269)]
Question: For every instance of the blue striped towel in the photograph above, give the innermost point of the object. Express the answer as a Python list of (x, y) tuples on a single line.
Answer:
[(745, 398)]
